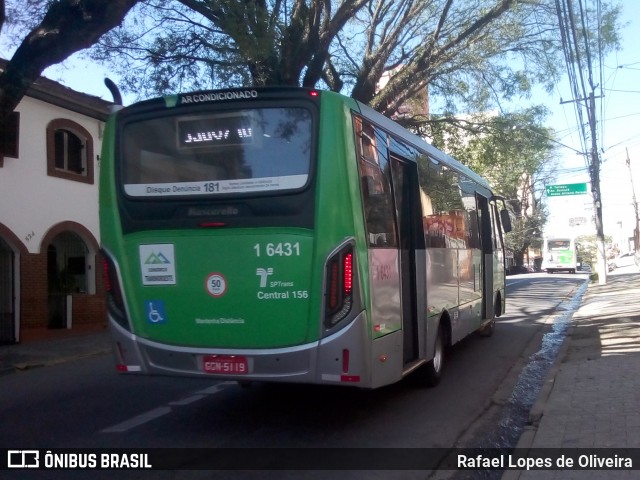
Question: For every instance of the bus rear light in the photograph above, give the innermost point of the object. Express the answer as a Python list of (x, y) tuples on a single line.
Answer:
[(107, 280), (122, 368), (115, 299), (111, 283), (339, 287), (345, 360), (348, 273), (121, 365), (212, 224)]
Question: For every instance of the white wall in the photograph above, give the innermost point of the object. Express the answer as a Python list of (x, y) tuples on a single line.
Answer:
[(31, 202)]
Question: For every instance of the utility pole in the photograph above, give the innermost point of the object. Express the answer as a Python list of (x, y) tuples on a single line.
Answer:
[(636, 231), (594, 175), (595, 190)]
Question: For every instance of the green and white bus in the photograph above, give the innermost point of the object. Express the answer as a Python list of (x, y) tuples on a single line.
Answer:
[(291, 235), (559, 255)]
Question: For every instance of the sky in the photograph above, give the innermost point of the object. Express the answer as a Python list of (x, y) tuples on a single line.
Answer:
[(618, 117)]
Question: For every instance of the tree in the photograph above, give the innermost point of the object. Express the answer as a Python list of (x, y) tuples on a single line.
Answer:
[(67, 26), (468, 53), (587, 246)]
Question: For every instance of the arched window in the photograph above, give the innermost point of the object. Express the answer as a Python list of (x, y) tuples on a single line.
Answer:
[(69, 151)]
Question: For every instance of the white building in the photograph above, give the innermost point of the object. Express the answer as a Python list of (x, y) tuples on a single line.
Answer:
[(50, 272)]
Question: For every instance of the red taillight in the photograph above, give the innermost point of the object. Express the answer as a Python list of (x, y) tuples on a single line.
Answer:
[(347, 269), (107, 280), (115, 299), (212, 224), (339, 286), (345, 361)]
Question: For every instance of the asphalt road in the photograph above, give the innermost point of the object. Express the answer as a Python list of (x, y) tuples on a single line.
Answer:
[(87, 404)]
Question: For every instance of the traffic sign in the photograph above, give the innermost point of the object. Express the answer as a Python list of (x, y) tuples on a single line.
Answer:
[(566, 189)]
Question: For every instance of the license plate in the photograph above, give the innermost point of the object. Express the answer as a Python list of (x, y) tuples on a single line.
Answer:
[(225, 364)]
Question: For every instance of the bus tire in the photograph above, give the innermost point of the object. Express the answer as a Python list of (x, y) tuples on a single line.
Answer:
[(497, 306), (431, 372)]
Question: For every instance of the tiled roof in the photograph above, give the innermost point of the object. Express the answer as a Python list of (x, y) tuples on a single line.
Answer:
[(57, 94)]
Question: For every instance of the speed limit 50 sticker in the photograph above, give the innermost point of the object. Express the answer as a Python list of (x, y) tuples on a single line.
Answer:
[(216, 284)]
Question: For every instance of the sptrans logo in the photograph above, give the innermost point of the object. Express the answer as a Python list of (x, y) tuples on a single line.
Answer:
[(23, 459)]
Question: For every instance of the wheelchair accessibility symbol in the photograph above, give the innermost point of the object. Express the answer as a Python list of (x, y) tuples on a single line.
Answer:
[(155, 311)]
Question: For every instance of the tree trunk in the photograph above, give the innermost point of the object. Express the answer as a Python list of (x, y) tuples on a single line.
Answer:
[(68, 27)]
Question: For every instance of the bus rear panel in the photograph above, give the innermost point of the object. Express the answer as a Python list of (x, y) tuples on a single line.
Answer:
[(559, 255)]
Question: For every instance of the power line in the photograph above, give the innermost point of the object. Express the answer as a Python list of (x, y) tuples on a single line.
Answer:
[(584, 96), (621, 91)]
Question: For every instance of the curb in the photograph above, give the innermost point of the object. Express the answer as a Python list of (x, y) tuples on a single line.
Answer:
[(30, 365)]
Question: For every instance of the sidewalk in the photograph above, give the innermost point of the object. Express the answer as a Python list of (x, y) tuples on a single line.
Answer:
[(591, 396), (56, 347)]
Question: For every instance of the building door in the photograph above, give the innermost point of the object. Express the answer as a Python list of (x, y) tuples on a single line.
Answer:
[(67, 275), (7, 294)]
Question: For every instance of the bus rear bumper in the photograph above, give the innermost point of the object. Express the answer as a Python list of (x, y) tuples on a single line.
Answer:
[(321, 362)]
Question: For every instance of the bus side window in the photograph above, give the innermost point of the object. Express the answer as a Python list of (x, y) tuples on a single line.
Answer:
[(373, 165), (444, 218), (472, 213), (497, 233)]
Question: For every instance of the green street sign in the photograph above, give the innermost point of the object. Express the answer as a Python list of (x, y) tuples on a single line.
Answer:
[(566, 189)]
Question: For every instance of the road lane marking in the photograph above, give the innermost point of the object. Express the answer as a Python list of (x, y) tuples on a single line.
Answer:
[(214, 388), (164, 410), (137, 421), (187, 401)]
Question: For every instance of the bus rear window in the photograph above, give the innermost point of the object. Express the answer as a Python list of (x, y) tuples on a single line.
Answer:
[(230, 152), (559, 244)]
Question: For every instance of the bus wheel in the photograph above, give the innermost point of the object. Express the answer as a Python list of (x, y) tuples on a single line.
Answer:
[(429, 375)]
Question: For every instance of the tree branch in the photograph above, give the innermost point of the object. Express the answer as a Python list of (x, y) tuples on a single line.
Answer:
[(68, 27)]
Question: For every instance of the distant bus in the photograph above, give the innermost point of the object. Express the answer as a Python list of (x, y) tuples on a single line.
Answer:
[(559, 255), (291, 235)]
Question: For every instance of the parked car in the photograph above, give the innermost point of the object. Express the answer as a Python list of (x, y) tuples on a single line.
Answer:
[(624, 260), (517, 269)]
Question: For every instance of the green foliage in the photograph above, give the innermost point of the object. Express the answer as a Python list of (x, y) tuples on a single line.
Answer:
[(587, 246), (470, 55)]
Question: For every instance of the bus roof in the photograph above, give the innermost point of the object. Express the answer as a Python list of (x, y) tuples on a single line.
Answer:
[(420, 144)]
